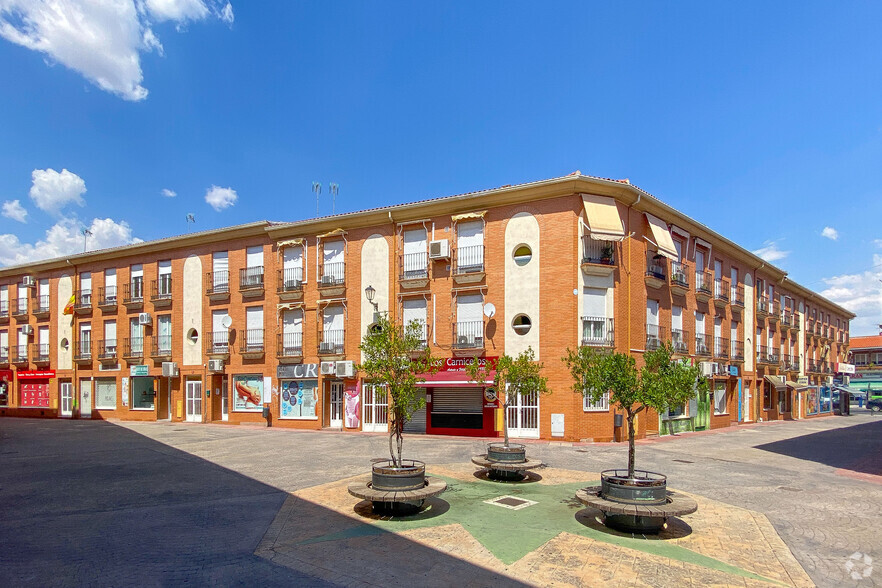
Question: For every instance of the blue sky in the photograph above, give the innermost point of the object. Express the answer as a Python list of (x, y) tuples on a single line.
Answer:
[(761, 120)]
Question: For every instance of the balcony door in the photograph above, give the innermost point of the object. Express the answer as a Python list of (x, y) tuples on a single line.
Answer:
[(336, 405), (523, 416), (469, 319), (66, 393), (375, 415), (194, 401)]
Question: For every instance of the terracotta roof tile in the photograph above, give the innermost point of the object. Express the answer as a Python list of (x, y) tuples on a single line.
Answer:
[(871, 342)]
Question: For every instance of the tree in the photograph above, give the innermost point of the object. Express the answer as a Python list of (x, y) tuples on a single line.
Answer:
[(394, 357), (662, 382), (520, 375)]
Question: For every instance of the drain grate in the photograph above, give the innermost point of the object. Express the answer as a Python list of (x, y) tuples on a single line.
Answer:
[(511, 502)]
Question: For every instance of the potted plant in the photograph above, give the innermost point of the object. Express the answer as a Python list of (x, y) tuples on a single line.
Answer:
[(394, 357), (606, 254), (512, 376), (661, 382)]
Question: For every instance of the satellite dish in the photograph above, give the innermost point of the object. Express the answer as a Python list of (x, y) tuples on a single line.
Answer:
[(489, 310), (227, 321)]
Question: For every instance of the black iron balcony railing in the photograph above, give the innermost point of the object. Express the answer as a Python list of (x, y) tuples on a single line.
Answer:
[(738, 350), (703, 344), (786, 318), (704, 282), (680, 341), (107, 349), (811, 366), (107, 296), (468, 335), (83, 350), (161, 289), (290, 280), (21, 307), (251, 341), (251, 278), (133, 292), (721, 347), (40, 353), (767, 355), (790, 362), (41, 304), (795, 321), (468, 260), (332, 274), (289, 345), (134, 347), (414, 266), (4, 309), (218, 343), (680, 274), (19, 353), (737, 294), (656, 266), (423, 331), (331, 342), (654, 336), (722, 290), (217, 282), (4, 355), (161, 346), (597, 331), (763, 305), (599, 252)]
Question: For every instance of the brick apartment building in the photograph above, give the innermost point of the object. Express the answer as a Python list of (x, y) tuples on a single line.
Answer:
[(261, 322)]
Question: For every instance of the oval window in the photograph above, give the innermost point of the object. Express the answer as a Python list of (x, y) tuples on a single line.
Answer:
[(193, 336), (522, 254), (521, 324), (65, 344)]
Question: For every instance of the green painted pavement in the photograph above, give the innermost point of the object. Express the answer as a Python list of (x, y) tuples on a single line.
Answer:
[(511, 534)]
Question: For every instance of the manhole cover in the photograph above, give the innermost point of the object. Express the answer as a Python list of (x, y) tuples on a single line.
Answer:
[(511, 502)]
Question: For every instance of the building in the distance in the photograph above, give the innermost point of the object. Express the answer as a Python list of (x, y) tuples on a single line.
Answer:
[(865, 354), (263, 321)]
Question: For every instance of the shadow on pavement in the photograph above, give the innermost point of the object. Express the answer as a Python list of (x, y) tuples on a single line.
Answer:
[(857, 448), (89, 502)]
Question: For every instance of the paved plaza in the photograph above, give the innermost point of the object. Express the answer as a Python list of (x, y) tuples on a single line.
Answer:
[(100, 503)]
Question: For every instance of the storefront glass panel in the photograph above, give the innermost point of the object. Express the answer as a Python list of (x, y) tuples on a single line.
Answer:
[(298, 399)]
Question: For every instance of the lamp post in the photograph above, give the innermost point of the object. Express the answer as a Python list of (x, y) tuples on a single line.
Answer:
[(369, 293)]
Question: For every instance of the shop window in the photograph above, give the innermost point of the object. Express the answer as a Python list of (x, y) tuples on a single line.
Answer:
[(521, 324), (298, 399), (767, 396), (602, 404), (523, 254), (142, 393), (677, 411), (105, 394), (720, 398)]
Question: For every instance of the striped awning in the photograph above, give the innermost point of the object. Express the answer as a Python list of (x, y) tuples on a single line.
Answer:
[(603, 218)]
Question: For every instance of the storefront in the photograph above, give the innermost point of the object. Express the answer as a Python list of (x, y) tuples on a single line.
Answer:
[(5, 387), (33, 388), (142, 388), (249, 392), (456, 405), (298, 392)]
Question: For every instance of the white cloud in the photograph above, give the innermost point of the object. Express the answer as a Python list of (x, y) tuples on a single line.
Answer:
[(101, 39), (66, 238), (51, 191), (169, 193), (14, 210), (771, 252), (226, 13), (830, 233), (877, 243), (219, 198), (860, 293)]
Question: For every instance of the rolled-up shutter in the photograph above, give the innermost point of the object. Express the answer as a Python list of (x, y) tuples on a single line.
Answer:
[(417, 422), (457, 400)]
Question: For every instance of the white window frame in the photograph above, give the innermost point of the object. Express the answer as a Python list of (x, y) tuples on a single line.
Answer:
[(115, 391), (601, 405)]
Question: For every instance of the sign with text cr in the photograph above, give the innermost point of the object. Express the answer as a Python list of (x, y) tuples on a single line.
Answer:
[(300, 371), (139, 370), (35, 374), (458, 364)]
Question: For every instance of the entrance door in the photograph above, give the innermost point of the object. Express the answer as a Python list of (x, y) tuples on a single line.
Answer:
[(66, 399), (375, 417), (85, 399), (225, 401), (194, 401), (523, 416), (336, 405)]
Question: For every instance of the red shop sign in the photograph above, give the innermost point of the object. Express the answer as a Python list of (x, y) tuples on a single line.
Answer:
[(458, 364), (35, 374)]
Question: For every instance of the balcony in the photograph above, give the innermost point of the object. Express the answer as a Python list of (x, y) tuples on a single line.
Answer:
[(774, 311), (19, 354), (251, 281), (161, 348), (332, 279), (290, 283), (763, 307), (786, 319), (737, 351), (679, 279), (20, 308), (736, 294), (107, 298), (468, 265), (133, 349), (41, 306), (423, 333), (468, 337), (704, 285), (4, 311), (331, 342), (289, 347), (812, 367), (721, 348), (766, 355), (133, 294), (703, 344), (795, 322), (83, 351), (654, 336), (790, 363), (107, 351), (414, 270), (656, 271), (217, 285), (809, 329), (680, 341), (722, 291), (597, 331), (161, 291), (4, 356), (252, 345), (598, 257), (218, 345), (824, 368)]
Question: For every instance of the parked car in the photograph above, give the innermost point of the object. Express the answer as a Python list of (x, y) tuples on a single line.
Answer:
[(875, 404)]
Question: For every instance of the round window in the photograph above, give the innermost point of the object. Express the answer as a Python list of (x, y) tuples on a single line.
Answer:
[(65, 344), (521, 324), (522, 254), (193, 336)]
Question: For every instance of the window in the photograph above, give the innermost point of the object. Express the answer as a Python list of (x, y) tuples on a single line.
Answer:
[(142, 394), (220, 272), (164, 284), (602, 404), (85, 288), (678, 337), (254, 328), (767, 396), (164, 335), (110, 338), (521, 324), (652, 331), (522, 254), (720, 406), (4, 300), (415, 258), (878, 359), (110, 285), (253, 274), (469, 320), (333, 262), (219, 335), (298, 399), (470, 246), (292, 274), (414, 309), (292, 332), (43, 295), (4, 345), (136, 337), (332, 330), (105, 393), (137, 282), (594, 321)]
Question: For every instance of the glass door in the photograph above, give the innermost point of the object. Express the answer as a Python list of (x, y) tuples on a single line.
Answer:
[(375, 416), (225, 401), (66, 391), (523, 416), (194, 401), (336, 405)]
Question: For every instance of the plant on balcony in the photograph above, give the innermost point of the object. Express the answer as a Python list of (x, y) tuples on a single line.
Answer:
[(660, 383), (606, 254)]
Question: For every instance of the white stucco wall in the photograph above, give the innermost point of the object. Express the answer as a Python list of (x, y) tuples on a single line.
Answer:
[(374, 272), (192, 311), (63, 324), (521, 283)]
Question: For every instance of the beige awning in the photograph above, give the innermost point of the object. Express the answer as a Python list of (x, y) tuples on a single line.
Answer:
[(777, 381), (289, 306), (662, 237), (468, 215), (795, 386), (333, 233), (290, 243), (603, 218)]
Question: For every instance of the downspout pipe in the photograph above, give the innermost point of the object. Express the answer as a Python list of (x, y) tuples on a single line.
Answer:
[(630, 233)]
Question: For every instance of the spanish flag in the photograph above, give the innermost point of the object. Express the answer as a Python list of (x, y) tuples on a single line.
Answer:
[(68, 308)]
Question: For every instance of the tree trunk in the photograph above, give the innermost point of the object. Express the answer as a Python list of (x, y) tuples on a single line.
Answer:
[(392, 429), (631, 434), (505, 420)]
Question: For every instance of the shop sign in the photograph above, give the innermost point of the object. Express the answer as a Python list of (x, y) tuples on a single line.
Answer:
[(300, 371), (139, 370), (458, 364), (802, 380), (733, 370), (490, 395), (35, 374), (844, 368)]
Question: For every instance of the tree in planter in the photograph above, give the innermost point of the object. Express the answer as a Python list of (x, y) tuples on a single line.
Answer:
[(661, 383), (519, 375), (394, 357)]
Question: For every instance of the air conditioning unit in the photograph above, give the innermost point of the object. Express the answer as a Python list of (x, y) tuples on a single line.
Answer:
[(28, 282), (144, 318), (27, 329), (328, 280), (707, 368), (328, 368), (170, 369), (345, 369), (439, 249), (214, 365)]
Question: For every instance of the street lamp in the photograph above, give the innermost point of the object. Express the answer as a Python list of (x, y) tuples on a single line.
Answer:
[(369, 293)]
